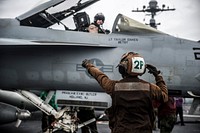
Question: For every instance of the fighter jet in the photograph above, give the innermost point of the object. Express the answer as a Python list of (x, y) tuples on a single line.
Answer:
[(35, 57)]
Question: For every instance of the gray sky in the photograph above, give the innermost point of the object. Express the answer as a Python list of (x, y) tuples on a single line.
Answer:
[(184, 22)]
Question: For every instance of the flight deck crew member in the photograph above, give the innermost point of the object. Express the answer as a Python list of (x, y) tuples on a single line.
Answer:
[(132, 110), (85, 114), (46, 119), (167, 115), (179, 109), (99, 19)]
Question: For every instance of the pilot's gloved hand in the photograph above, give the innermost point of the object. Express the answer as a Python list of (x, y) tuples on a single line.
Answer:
[(152, 70), (107, 31), (85, 63)]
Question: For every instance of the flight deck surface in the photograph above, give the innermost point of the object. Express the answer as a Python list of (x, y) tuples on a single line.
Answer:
[(192, 125)]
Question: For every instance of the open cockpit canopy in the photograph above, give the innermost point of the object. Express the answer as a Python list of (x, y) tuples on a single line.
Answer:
[(123, 24)]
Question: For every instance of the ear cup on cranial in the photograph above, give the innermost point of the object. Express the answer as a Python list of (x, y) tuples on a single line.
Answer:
[(122, 70), (123, 66)]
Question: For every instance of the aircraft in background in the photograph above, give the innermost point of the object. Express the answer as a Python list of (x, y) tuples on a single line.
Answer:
[(35, 57)]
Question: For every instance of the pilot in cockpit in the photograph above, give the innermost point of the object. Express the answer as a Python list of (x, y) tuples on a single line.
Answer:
[(99, 19)]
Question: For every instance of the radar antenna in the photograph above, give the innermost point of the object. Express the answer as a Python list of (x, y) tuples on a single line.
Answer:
[(153, 8)]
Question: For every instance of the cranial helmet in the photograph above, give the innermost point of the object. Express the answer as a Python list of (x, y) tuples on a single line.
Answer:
[(99, 16), (131, 64)]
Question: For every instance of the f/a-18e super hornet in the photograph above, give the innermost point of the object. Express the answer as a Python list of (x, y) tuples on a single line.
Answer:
[(35, 57)]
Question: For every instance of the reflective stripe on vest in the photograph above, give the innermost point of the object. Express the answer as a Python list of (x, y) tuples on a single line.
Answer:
[(132, 86)]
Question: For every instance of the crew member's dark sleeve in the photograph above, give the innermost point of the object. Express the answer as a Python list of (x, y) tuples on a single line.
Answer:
[(159, 91), (106, 83)]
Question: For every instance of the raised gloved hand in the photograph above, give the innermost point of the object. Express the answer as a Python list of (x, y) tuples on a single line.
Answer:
[(85, 63), (152, 69)]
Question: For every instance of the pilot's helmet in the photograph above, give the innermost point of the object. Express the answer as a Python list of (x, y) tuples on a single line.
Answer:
[(131, 64), (99, 16)]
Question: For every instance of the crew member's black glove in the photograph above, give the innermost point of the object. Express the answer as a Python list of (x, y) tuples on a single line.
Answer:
[(107, 31), (152, 70), (85, 63)]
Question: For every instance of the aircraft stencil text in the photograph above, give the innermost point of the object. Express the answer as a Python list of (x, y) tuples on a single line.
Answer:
[(197, 53), (123, 40)]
